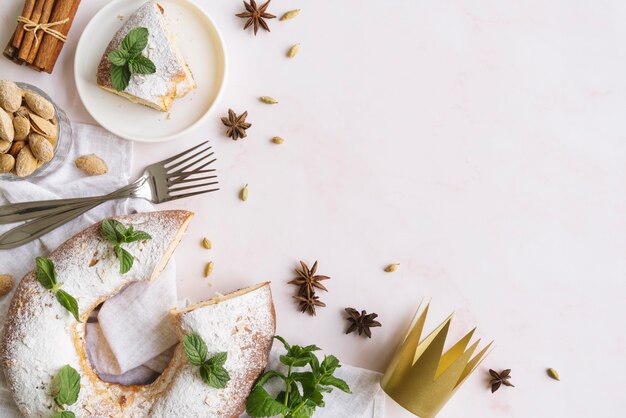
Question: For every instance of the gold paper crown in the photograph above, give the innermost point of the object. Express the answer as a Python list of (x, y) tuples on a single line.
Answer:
[(420, 378)]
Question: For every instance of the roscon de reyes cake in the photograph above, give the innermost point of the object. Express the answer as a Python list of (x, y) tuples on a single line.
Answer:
[(171, 77)]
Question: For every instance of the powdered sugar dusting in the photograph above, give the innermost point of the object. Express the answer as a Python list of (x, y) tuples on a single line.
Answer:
[(40, 336), (170, 79), (243, 327)]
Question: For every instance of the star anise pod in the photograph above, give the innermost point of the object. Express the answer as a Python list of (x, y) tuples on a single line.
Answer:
[(256, 15), (308, 303), (498, 379), (361, 322), (308, 280), (237, 125)]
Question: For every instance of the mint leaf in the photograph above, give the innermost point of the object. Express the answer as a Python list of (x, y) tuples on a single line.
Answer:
[(137, 236), (268, 375), (329, 365), (67, 385), (305, 411), (294, 395), (126, 259), (298, 356), (64, 414), (128, 59), (294, 361), (45, 273), (68, 302), (120, 77), (306, 379), (214, 376), (295, 398), (314, 396), (261, 404), (213, 372), (118, 57), (135, 41), (141, 65), (282, 340), (116, 233), (336, 382), (113, 231), (218, 359), (310, 348), (195, 349), (315, 365)]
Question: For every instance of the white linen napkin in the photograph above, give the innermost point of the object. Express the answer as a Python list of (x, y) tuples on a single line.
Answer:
[(135, 323), (130, 342)]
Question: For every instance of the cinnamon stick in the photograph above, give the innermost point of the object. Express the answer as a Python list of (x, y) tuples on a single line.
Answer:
[(18, 35), (29, 37), (14, 44), (10, 51), (50, 46), (45, 18)]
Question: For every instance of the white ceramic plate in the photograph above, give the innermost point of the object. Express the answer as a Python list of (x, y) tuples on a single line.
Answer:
[(202, 47)]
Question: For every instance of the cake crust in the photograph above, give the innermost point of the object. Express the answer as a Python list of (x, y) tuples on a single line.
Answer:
[(172, 80), (40, 336)]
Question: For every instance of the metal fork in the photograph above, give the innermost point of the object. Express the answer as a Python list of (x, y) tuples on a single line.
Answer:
[(161, 182)]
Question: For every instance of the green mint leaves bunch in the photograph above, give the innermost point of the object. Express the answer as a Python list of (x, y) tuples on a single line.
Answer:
[(46, 274), (66, 387), (212, 369), (128, 60), (117, 234), (291, 402)]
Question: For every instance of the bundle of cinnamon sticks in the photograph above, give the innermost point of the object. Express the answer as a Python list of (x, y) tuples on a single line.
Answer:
[(41, 32)]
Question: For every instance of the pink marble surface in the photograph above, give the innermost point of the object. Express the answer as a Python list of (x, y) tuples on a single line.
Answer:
[(481, 144)]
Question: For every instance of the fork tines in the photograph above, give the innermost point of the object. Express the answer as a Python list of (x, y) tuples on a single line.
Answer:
[(187, 170)]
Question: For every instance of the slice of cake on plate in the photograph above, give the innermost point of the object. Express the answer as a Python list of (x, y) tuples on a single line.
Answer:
[(143, 62)]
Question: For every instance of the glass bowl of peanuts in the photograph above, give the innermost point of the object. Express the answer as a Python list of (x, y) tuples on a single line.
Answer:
[(35, 134)]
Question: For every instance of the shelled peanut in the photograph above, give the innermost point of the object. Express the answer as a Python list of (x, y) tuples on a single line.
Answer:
[(28, 130)]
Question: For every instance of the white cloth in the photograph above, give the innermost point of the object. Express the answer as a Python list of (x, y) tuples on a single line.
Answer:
[(367, 399), (134, 321), (129, 334)]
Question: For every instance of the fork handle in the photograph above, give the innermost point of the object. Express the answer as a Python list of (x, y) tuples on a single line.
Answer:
[(34, 229), (16, 212)]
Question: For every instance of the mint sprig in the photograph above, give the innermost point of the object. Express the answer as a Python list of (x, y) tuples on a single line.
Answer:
[(212, 370), (117, 234), (292, 402), (66, 387), (46, 274), (128, 60)]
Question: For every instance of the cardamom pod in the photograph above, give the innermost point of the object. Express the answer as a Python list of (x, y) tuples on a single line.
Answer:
[(208, 269), (392, 267), (243, 194), (290, 14), (206, 243), (277, 140), (293, 51), (553, 374), (268, 100)]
